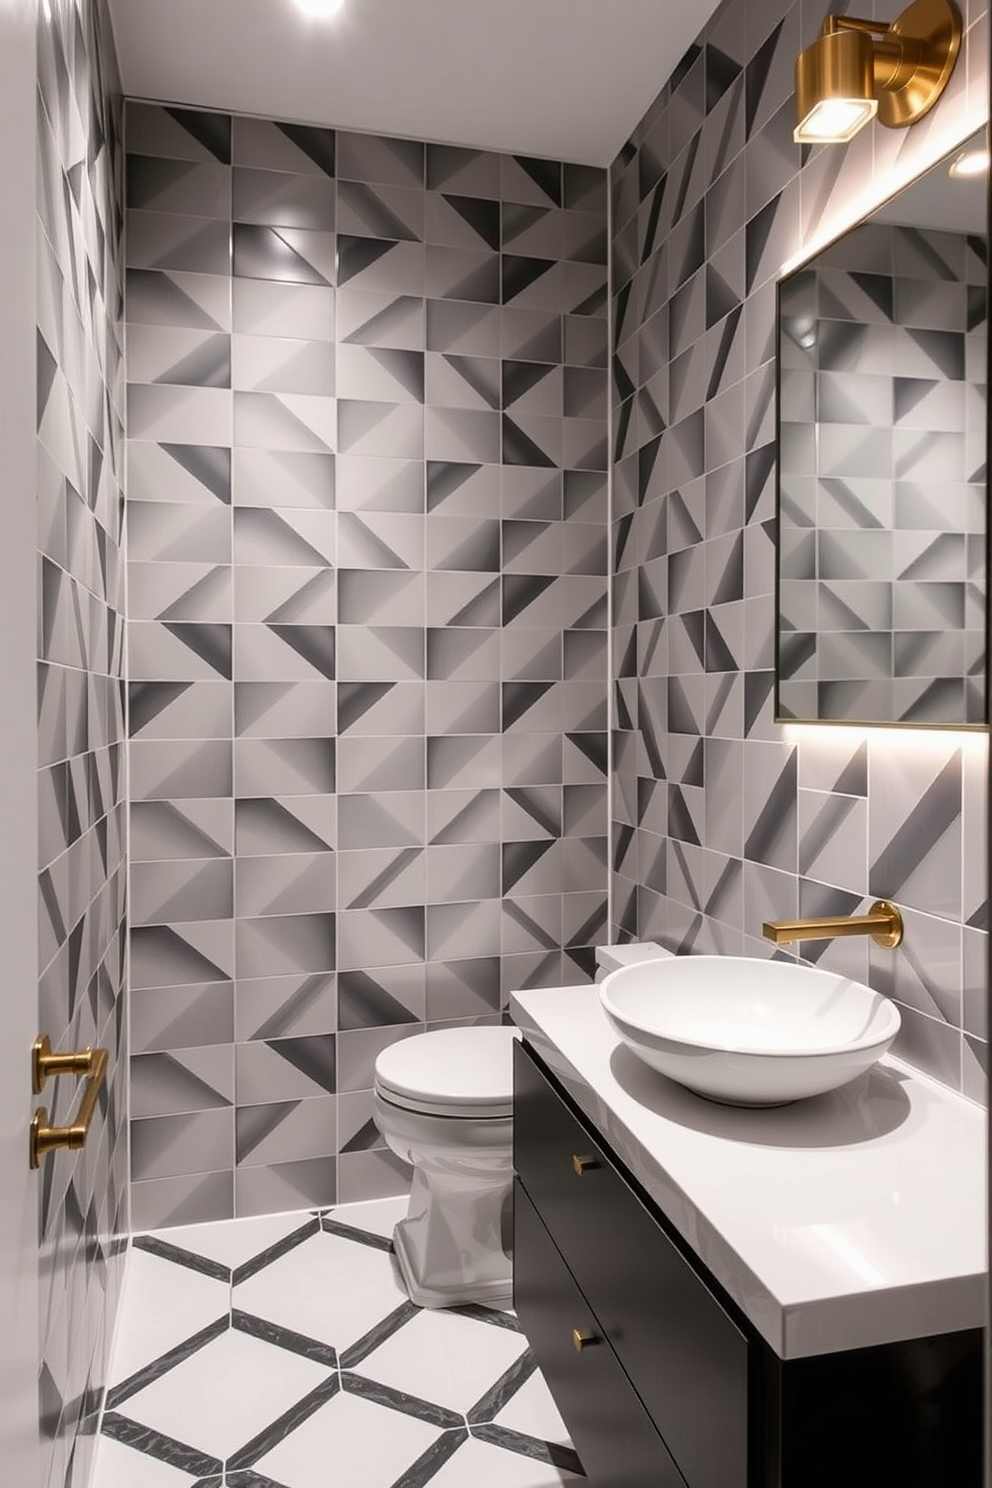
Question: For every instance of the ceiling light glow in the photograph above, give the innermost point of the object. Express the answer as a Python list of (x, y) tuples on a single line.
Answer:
[(320, 9), (970, 163)]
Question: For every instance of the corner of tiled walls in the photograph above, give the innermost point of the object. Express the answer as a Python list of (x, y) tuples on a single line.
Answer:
[(723, 818), (367, 527), (83, 1213)]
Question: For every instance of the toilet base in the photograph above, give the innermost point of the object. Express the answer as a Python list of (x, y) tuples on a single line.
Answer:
[(453, 1246), (486, 1293)]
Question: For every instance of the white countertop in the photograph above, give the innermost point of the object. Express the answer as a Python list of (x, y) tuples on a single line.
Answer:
[(851, 1219)]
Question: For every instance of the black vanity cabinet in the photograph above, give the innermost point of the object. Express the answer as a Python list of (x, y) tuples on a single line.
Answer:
[(661, 1380)]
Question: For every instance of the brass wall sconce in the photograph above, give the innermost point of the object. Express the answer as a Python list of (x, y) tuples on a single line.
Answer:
[(858, 70)]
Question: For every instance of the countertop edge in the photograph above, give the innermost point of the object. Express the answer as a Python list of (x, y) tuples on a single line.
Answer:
[(794, 1330)]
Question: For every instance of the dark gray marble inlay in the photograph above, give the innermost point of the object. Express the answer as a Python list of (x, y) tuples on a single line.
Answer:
[(156, 1444), (430, 1462), (530, 1446), (296, 1343), (285, 1424), (274, 1252), (410, 1405), (497, 1396), (351, 1232), (371, 1340), (181, 1257), (158, 1367)]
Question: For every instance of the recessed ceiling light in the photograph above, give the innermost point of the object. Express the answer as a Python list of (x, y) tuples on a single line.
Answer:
[(320, 8), (971, 163)]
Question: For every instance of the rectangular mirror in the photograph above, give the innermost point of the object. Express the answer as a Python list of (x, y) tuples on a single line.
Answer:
[(882, 446)]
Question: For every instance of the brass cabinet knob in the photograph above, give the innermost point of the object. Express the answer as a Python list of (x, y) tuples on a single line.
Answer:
[(584, 1338), (583, 1161)]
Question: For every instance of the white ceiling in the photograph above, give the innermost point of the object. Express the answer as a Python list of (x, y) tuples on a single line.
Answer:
[(568, 79)]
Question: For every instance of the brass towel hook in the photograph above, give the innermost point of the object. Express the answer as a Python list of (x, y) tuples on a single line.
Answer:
[(44, 1064)]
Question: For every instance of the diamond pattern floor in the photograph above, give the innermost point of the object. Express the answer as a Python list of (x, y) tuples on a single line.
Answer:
[(283, 1352)]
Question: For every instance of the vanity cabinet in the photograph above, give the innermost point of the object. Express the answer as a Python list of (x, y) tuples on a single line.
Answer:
[(660, 1378)]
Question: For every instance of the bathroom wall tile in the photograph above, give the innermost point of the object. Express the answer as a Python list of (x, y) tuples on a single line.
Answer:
[(263, 307), (829, 818), (357, 1050), (181, 1017), (391, 996), (369, 1175), (266, 145), (182, 1081), (196, 188), (195, 1199), (80, 858), (169, 1146), (283, 198), (179, 298), (401, 708), (285, 1006), (282, 1186)]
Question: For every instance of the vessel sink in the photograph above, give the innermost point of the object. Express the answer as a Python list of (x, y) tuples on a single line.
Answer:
[(748, 1032)]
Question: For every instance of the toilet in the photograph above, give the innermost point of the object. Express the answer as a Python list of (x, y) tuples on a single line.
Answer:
[(444, 1103)]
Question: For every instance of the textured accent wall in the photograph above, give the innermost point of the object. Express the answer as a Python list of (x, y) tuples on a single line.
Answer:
[(722, 817), (81, 744), (883, 479), (368, 629)]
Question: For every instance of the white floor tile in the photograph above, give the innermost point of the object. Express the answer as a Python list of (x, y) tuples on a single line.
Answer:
[(379, 1216), (485, 1466), (350, 1442), (225, 1394), (116, 1466), (327, 1288), (442, 1357), (161, 1305), (532, 1410), (232, 1241)]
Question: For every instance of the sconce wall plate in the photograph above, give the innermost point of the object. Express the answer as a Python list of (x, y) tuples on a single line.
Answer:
[(935, 27)]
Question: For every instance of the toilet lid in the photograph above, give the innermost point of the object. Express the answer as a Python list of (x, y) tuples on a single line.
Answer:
[(450, 1071)]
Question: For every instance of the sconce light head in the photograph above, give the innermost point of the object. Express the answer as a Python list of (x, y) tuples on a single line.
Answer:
[(835, 88), (858, 69)]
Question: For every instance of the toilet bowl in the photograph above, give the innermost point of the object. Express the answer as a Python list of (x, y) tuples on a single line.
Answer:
[(443, 1102)]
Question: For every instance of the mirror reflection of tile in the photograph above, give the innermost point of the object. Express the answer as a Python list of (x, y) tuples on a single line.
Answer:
[(883, 479)]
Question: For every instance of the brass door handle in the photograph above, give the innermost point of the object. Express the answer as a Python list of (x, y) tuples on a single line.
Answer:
[(584, 1338), (89, 1062), (583, 1161)]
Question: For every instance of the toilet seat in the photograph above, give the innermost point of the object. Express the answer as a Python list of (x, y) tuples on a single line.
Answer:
[(461, 1073)]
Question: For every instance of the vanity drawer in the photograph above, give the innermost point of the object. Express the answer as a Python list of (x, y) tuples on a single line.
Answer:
[(684, 1354), (612, 1432)]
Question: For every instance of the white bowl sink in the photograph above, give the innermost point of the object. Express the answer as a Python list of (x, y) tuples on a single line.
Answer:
[(748, 1032)]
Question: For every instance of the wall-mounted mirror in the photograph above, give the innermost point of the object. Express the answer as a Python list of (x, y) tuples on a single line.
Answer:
[(882, 408)]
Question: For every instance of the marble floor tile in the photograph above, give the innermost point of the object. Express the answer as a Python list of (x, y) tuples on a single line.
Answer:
[(283, 1352)]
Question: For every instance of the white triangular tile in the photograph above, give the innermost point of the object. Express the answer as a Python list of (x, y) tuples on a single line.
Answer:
[(117, 1466), (445, 1358), (379, 1217), (225, 1394), (162, 1305), (327, 1288), (234, 1241), (349, 1441)]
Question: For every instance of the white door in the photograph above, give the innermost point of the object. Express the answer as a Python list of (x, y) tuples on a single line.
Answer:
[(20, 1452)]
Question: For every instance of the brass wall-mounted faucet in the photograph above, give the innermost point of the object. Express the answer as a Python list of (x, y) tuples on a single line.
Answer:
[(883, 923)]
